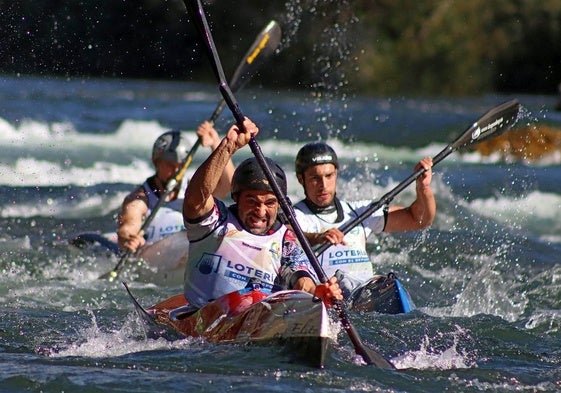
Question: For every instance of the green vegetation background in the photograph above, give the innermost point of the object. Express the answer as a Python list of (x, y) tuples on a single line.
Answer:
[(436, 47)]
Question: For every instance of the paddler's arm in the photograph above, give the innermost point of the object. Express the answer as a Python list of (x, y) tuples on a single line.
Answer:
[(331, 236), (199, 194), (132, 215), (421, 213), (209, 138), (326, 292)]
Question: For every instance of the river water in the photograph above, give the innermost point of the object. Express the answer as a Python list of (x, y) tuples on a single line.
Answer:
[(485, 277)]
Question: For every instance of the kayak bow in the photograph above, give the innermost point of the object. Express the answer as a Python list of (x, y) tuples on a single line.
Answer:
[(294, 320)]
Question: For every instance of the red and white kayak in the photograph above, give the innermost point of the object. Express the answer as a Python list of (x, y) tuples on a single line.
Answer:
[(295, 320)]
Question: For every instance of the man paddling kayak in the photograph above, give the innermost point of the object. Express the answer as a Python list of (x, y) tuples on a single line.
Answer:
[(229, 246), (321, 212), (169, 152)]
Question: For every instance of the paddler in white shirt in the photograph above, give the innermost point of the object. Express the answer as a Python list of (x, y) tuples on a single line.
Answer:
[(321, 212), (230, 246), (168, 156)]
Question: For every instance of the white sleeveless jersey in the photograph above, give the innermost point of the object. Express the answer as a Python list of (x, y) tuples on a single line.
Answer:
[(223, 257), (168, 219), (351, 258)]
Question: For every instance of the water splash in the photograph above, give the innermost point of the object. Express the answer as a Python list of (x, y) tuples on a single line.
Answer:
[(93, 342), (428, 357)]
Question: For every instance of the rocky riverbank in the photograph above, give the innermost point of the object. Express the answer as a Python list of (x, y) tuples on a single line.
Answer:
[(530, 143)]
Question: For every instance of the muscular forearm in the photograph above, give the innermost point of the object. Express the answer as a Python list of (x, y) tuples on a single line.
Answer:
[(209, 137), (224, 185), (198, 196), (423, 210), (130, 223), (420, 214)]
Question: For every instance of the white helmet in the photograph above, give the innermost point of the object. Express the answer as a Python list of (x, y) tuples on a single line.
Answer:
[(171, 146)]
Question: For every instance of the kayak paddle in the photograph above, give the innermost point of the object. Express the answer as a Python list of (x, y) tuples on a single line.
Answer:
[(369, 355), (264, 45), (84, 239), (491, 124)]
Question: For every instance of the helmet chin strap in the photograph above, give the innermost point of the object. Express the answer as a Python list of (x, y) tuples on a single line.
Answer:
[(335, 205)]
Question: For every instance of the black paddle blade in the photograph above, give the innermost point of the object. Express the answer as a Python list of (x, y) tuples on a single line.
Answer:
[(87, 239), (491, 124), (369, 355), (376, 359)]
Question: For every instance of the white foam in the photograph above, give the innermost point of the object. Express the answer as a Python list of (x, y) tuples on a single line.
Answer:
[(538, 207), (96, 343), (427, 358)]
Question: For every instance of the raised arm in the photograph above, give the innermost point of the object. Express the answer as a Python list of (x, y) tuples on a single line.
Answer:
[(199, 194), (209, 138), (420, 214)]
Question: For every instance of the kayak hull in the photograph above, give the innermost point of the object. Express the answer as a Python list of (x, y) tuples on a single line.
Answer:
[(293, 320)]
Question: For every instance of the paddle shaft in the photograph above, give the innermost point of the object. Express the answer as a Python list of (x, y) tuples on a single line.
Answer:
[(197, 13), (493, 123), (264, 45)]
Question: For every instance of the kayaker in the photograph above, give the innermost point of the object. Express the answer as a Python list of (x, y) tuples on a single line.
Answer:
[(168, 155), (321, 212), (231, 245)]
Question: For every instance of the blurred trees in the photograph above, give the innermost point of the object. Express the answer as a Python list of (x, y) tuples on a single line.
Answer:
[(374, 46), (462, 47)]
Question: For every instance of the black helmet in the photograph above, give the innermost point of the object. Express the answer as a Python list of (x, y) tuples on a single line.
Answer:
[(171, 146), (249, 176), (315, 153)]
